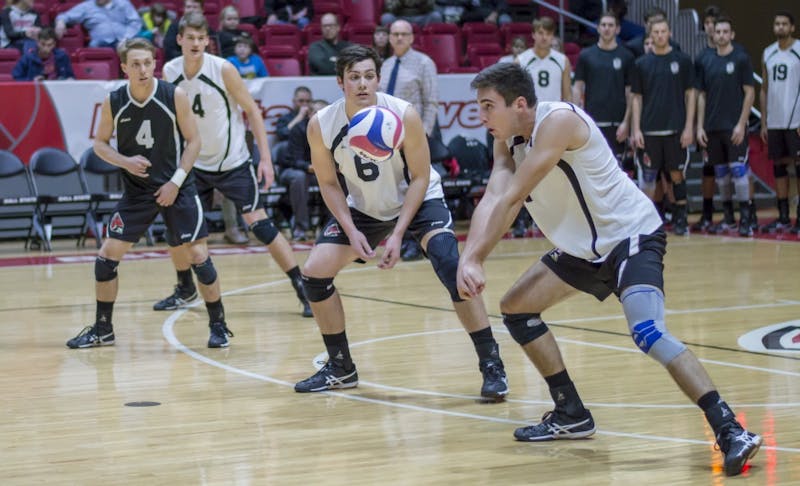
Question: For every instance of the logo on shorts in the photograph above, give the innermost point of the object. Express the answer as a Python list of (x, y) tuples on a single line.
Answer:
[(554, 254), (246, 209), (332, 230), (729, 68), (674, 67), (116, 225), (782, 337), (617, 63)]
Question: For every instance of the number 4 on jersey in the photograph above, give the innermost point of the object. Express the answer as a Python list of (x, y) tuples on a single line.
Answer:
[(144, 136), (197, 106)]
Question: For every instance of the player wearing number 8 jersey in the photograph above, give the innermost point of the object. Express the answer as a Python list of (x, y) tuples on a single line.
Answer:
[(218, 94), (549, 69), (384, 199)]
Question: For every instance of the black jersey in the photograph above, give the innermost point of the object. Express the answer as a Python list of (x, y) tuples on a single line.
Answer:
[(722, 79), (606, 73), (662, 80), (149, 129)]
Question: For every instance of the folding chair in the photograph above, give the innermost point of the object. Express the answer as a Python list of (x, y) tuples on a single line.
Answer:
[(17, 200)]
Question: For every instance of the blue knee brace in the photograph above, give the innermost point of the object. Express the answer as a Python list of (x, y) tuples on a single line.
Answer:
[(644, 310), (206, 273), (442, 250), (105, 270), (264, 230), (741, 182)]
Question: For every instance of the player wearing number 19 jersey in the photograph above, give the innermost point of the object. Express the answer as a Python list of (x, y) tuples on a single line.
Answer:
[(384, 200)]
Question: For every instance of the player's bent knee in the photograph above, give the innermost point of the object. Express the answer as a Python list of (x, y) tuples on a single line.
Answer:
[(442, 251), (206, 273), (779, 170), (105, 270), (644, 310), (524, 328), (264, 230), (318, 289)]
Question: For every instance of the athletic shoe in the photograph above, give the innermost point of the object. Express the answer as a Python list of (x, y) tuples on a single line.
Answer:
[(738, 445), (745, 229), (329, 377), (179, 298), (298, 289), (702, 225), (218, 335), (495, 383), (796, 228), (89, 338), (776, 226), (557, 425), (722, 227)]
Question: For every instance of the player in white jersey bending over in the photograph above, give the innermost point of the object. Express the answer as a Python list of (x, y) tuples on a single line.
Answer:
[(218, 94), (384, 199), (608, 236)]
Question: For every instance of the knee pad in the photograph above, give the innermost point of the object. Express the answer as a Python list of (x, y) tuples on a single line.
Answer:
[(723, 178), (524, 328), (105, 270), (679, 190), (721, 170), (708, 170), (779, 170), (318, 289), (741, 180), (206, 273), (443, 253), (264, 230), (644, 310), (648, 182)]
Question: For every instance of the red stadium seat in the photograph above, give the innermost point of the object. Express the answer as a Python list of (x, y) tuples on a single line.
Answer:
[(516, 29), (444, 49), (247, 8), (572, 51), (358, 33), (8, 59), (322, 7), (277, 51), (99, 54), (73, 39), (362, 11), (252, 30), (6, 77), (92, 70), (480, 55), (283, 67), (480, 33), (281, 34), (312, 33)]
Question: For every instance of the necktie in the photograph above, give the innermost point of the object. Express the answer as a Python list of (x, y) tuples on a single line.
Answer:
[(393, 77)]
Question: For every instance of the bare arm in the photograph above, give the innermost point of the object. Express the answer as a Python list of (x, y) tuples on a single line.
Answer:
[(577, 92), (763, 101), (702, 139), (624, 126), (740, 130), (636, 117), (236, 87), (566, 82), (136, 165), (688, 127)]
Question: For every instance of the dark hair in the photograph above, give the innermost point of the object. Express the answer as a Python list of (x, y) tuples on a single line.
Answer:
[(47, 33), (724, 19), (787, 14), (302, 88), (244, 38), (711, 11), (353, 54), (193, 20), (545, 23), (131, 44), (609, 13), (509, 79), (158, 9), (652, 12)]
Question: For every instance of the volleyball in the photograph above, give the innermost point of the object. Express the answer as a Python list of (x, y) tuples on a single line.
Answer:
[(375, 133)]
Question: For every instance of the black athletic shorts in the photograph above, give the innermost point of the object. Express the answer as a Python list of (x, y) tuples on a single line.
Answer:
[(722, 151), (432, 214), (783, 143), (240, 185), (135, 212), (610, 134), (635, 261), (665, 153)]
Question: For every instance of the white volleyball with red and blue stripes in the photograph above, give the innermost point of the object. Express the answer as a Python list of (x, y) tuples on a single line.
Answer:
[(375, 133)]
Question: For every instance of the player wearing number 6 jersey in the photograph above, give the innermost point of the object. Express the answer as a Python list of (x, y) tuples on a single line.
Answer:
[(157, 144), (217, 95), (384, 199)]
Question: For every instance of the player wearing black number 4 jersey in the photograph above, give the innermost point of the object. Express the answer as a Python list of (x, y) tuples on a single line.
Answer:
[(384, 199)]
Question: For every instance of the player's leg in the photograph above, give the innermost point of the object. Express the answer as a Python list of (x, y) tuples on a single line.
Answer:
[(209, 286), (433, 225), (651, 160), (778, 147), (718, 158), (642, 297), (131, 218), (740, 178), (794, 148), (677, 158), (707, 190), (538, 289), (185, 291)]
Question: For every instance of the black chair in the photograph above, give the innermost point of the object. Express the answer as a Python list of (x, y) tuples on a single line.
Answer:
[(18, 202), (63, 198), (104, 183)]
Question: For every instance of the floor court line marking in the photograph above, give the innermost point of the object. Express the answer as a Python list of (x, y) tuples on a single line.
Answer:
[(169, 334)]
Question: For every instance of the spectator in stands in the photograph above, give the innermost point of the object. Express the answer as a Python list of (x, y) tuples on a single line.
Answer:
[(19, 25), (651, 16), (249, 64), (156, 23), (296, 174), (550, 70), (460, 11), (107, 21), (780, 113), (518, 46), (420, 12), (297, 12), (603, 83), (171, 47), (301, 103), (710, 15), (380, 42), (725, 95), (627, 30), (323, 53), (556, 45), (46, 62), (663, 109), (229, 31), (411, 76)]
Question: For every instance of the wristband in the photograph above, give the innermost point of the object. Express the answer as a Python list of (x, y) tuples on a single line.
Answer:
[(178, 177)]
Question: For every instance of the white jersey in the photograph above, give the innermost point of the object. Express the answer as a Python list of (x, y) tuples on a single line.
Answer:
[(546, 73), (219, 117), (375, 189), (586, 204), (783, 95)]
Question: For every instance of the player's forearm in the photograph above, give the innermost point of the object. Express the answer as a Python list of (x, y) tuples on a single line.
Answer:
[(701, 110), (490, 220), (108, 153), (190, 152), (636, 112), (747, 104), (762, 102), (628, 106), (689, 100)]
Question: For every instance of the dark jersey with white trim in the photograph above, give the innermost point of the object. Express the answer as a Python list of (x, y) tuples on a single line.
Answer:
[(606, 74), (662, 80), (149, 129), (722, 79)]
